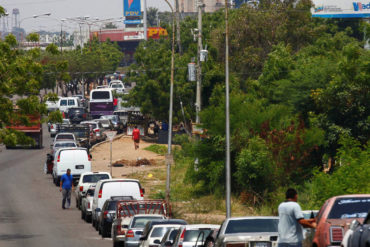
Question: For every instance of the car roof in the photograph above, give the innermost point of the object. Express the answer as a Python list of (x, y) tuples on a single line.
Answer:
[(64, 141), (75, 148), (350, 196), (89, 173), (253, 217), (64, 133), (148, 215), (199, 226)]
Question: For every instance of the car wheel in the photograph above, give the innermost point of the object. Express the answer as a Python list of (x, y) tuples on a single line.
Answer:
[(88, 218), (82, 215), (117, 244), (100, 231), (104, 232), (93, 223)]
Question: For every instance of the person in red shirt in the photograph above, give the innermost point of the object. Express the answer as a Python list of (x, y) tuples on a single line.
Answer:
[(136, 137), (115, 103)]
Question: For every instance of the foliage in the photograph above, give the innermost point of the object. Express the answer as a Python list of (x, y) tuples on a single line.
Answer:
[(110, 25), (152, 13), (158, 149), (351, 177)]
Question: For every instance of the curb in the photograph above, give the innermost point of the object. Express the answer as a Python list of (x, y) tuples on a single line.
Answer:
[(107, 141)]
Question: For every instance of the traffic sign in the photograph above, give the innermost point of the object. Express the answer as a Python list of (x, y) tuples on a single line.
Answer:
[(110, 135)]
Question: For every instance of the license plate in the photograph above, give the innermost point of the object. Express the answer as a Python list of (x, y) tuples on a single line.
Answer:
[(261, 244), (80, 166)]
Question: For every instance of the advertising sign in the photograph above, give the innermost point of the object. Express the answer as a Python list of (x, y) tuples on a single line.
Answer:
[(341, 8), (132, 7)]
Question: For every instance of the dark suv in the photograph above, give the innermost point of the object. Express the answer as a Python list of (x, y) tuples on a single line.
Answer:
[(77, 114), (108, 213)]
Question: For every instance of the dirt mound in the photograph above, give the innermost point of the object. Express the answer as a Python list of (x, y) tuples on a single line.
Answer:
[(139, 162)]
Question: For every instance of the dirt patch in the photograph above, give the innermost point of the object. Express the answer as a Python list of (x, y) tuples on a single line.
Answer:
[(140, 162)]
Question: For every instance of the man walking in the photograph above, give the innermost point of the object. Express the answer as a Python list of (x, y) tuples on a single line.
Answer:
[(66, 187), (291, 221), (136, 137)]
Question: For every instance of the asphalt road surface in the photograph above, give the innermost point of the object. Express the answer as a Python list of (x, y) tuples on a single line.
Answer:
[(31, 211)]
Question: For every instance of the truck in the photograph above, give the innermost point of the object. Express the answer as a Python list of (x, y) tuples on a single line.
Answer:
[(34, 130), (82, 133)]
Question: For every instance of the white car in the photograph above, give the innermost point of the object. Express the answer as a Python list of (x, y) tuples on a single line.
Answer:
[(51, 105), (65, 137), (117, 85), (86, 203), (68, 102), (86, 180), (190, 235), (155, 235), (76, 159), (107, 188)]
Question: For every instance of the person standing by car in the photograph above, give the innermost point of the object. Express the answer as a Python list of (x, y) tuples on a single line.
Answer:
[(136, 137), (66, 187), (291, 221)]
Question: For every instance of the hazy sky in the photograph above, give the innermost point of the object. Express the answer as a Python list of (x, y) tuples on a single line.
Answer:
[(60, 9)]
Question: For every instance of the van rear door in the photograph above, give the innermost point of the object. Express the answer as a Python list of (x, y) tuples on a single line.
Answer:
[(120, 188), (75, 159)]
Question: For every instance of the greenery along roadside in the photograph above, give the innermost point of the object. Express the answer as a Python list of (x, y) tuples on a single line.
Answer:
[(298, 85)]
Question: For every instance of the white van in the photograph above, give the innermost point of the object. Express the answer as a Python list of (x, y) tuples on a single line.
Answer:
[(107, 188), (76, 159), (101, 102), (117, 85), (67, 102)]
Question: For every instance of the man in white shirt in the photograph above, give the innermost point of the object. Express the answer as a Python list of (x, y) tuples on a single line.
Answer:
[(291, 221)]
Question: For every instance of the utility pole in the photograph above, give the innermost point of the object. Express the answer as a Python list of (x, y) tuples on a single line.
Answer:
[(199, 65), (145, 23), (178, 37), (227, 112)]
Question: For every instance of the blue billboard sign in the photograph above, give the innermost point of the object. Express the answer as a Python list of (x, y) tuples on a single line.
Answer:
[(132, 7), (341, 8)]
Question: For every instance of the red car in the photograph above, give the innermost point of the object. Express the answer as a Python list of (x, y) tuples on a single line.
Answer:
[(336, 215)]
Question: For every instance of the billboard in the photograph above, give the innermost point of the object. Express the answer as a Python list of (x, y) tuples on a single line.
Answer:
[(341, 8), (132, 7)]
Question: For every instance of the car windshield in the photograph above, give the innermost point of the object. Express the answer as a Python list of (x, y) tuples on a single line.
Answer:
[(117, 85), (346, 208), (140, 222), (192, 235), (100, 95), (66, 121), (112, 206), (159, 232), (104, 121), (252, 225), (94, 178), (65, 144), (65, 137), (63, 102)]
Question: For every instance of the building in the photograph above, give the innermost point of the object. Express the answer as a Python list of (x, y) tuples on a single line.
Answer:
[(190, 6)]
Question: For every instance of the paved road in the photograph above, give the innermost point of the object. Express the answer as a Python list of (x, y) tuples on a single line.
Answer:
[(30, 205)]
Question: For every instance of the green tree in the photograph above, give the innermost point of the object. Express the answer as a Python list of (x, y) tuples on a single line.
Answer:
[(152, 14)]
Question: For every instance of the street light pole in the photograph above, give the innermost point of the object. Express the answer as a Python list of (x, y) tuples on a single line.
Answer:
[(227, 112), (169, 151), (199, 69), (145, 22)]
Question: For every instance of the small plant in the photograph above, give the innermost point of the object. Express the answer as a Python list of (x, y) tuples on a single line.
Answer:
[(158, 149)]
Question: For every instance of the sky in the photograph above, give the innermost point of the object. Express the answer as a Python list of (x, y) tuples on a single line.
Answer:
[(61, 9)]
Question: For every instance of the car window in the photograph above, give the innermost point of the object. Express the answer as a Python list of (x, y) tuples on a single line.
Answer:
[(71, 102), (94, 178), (64, 137), (90, 192), (173, 235), (141, 222), (192, 235), (252, 225), (100, 95), (112, 205), (159, 232), (347, 208), (63, 102), (117, 86), (65, 121), (65, 144)]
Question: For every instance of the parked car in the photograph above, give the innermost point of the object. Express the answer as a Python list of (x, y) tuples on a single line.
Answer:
[(105, 123), (65, 103), (76, 159), (102, 86), (191, 235), (154, 231), (53, 128), (51, 105), (107, 188), (359, 234), (97, 128), (77, 114), (126, 210), (48, 167), (87, 179), (211, 238), (254, 231), (86, 203), (335, 216), (117, 86), (81, 98), (64, 136), (169, 237), (136, 227), (108, 214), (116, 121)]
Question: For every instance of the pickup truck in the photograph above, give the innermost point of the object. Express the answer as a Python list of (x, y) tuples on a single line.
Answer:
[(126, 210), (81, 132)]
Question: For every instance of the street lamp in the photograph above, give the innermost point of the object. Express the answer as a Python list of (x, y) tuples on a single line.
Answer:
[(30, 17), (169, 151)]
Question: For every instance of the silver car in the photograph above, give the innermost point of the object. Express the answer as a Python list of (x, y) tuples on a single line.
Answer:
[(193, 235), (256, 231), (86, 204)]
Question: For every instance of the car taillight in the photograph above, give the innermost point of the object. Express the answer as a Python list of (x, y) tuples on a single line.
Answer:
[(89, 157), (81, 188), (96, 130), (58, 160), (336, 234), (100, 193), (51, 127), (105, 214), (88, 205), (141, 192), (130, 234), (182, 236)]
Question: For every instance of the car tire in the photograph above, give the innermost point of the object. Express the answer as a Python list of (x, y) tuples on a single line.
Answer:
[(104, 233), (83, 215), (88, 218), (117, 244)]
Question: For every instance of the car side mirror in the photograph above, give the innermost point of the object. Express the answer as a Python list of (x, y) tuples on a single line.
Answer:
[(157, 241), (168, 243), (354, 224)]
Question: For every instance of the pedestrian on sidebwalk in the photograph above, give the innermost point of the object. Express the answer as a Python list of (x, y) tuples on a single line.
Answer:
[(136, 137), (66, 187)]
